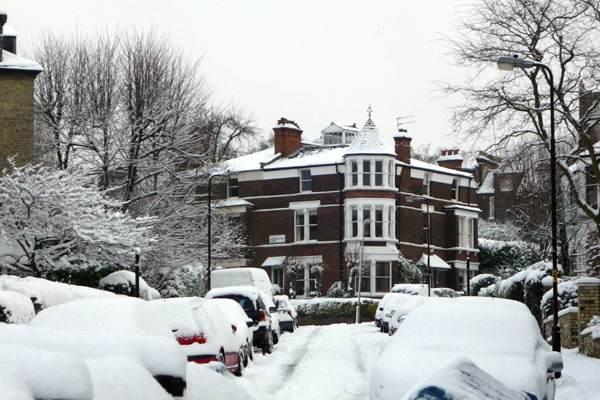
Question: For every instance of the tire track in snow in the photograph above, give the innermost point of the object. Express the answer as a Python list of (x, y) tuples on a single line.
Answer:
[(299, 355)]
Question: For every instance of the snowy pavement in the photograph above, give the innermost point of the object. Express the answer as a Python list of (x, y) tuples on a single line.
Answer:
[(318, 362), (580, 379)]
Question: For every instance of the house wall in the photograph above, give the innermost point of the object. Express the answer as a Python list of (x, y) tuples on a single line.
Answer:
[(16, 116)]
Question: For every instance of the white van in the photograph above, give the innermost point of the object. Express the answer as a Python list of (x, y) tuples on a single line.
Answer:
[(242, 277)]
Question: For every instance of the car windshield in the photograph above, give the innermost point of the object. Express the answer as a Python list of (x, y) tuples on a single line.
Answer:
[(244, 302)]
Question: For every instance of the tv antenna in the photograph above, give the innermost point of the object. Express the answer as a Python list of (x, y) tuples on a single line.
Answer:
[(401, 121)]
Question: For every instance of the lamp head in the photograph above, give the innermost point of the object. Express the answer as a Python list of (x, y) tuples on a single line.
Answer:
[(509, 63)]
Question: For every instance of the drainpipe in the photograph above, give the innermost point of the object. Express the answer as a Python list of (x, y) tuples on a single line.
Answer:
[(469, 193), (341, 222)]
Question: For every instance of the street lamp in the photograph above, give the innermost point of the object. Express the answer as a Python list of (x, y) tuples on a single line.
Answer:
[(209, 238), (508, 64), (362, 247), (418, 198)]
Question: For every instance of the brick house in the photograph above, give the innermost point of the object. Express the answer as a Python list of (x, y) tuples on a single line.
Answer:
[(17, 75), (311, 205)]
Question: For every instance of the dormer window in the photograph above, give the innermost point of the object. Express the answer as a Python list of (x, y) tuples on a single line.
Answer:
[(305, 180), (233, 186)]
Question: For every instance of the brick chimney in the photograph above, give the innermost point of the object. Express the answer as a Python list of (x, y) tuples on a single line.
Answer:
[(450, 159), (3, 19), (402, 146), (288, 137)]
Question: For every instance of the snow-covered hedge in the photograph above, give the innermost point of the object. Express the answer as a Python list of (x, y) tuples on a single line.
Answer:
[(507, 257), (567, 297), (323, 307), (123, 282), (337, 290), (481, 281)]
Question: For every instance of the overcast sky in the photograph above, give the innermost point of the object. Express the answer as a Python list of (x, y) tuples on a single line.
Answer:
[(310, 61)]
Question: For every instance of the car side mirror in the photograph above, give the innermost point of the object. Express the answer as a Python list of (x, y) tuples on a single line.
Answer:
[(554, 362), (272, 309)]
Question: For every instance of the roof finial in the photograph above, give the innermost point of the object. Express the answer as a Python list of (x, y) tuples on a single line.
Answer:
[(369, 111)]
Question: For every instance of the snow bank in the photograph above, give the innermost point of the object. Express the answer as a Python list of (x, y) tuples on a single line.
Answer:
[(48, 374), (12, 386), (17, 308), (593, 328), (463, 380), (48, 293), (159, 355), (500, 336), (124, 282), (123, 379), (116, 313)]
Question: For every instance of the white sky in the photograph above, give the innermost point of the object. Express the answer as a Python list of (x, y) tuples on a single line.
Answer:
[(310, 61)]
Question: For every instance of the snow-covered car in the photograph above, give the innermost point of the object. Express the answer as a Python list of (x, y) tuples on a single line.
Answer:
[(203, 331), (389, 310), (404, 305), (444, 292), (275, 327), (115, 326), (415, 289), (251, 301), (243, 324), (463, 380), (380, 307), (500, 336), (30, 373), (286, 312)]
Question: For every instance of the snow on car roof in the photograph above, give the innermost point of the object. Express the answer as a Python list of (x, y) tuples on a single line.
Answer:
[(48, 374), (159, 355), (178, 313), (501, 336), (120, 378), (18, 306), (49, 293), (247, 291), (232, 310), (118, 313)]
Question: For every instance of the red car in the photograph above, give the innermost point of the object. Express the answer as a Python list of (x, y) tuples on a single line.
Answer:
[(203, 331)]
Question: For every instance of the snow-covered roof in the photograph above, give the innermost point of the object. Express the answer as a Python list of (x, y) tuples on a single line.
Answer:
[(233, 203), (434, 261), (13, 61), (487, 186), (368, 141), (273, 261), (8, 30), (310, 156), (464, 208), (450, 157), (436, 168), (333, 127)]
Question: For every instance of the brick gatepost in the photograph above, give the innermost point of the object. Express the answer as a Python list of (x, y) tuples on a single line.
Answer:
[(589, 304)]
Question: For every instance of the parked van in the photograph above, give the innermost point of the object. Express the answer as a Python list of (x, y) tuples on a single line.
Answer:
[(242, 277)]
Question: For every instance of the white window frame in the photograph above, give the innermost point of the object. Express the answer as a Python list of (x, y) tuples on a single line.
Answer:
[(364, 206), (372, 278), (381, 173), (303, 180), (455, 190), (230, 186), (427, 184), (466, 232), (306, 225)]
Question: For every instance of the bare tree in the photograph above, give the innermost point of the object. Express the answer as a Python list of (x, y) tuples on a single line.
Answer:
[(503, 107)]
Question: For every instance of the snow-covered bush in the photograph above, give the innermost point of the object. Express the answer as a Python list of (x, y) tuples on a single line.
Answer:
[(497, 231), (334, 308), (408, 272), (481, 281), (15, 308), (123, 282), (507, 257), (59, 220), (567, 297), (336, 290)]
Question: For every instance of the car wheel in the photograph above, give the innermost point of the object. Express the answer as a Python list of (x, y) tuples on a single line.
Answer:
[(275, 338), (240, 367), (246, 355), (251, 351), (293, 327), (267, 346)]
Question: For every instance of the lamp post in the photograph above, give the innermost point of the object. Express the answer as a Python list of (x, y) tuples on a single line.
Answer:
[(508, 64), (209, 238), (137, 272), (428, 238), (362, 247)]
